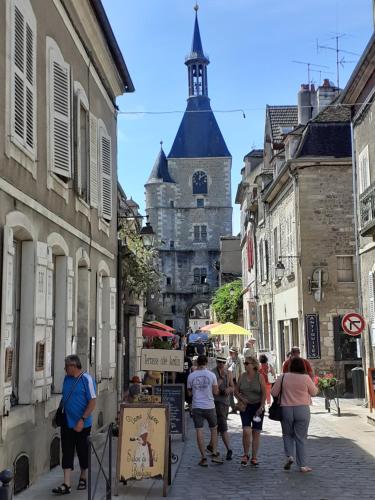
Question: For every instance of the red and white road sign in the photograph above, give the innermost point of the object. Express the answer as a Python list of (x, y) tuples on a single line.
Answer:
[(353, 324)]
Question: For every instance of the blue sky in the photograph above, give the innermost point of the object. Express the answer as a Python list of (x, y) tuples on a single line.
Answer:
[(251, 45)]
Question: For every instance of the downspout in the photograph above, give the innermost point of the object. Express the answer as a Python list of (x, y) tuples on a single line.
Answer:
[(298, 251), (119, 321)]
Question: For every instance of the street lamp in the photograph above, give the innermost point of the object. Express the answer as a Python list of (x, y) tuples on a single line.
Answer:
[(148, 236), (280, 269)]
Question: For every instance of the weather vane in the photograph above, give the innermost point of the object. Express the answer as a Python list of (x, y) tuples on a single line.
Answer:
[(196, 7)]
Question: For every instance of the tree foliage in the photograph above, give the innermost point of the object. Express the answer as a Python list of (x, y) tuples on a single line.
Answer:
[(226, 303), (139, 273)]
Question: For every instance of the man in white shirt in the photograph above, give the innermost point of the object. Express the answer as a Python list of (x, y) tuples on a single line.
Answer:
[(202, 385)]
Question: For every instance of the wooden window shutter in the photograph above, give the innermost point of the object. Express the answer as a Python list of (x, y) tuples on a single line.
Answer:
[(106, 175), (9, 356), (93, 161), (60, 121), (23, 47)]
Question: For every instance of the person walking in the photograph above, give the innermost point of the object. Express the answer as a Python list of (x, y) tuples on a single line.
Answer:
[(251, 393), (79, 399), (236, 368), (296, 353), (202, 386), (269, 375), (296, 389), (226, 387)]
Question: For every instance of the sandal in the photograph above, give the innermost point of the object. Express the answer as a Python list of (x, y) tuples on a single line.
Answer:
[(64, 489), (245, 460), (305, 469), (254, 461), (203, 462), (82, 484)]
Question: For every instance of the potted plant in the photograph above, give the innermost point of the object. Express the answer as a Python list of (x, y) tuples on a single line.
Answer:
[(327, 385)]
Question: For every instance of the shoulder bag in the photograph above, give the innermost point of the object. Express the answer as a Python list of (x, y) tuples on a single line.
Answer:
[(59, 419), (275, 410)]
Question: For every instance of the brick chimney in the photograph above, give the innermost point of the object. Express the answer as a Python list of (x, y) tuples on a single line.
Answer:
[(306, 103)]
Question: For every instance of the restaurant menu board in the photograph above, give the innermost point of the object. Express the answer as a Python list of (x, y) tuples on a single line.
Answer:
[(143, 446), (371, 387), (174, 396)]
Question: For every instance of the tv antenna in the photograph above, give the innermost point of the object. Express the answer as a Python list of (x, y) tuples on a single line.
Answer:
[(339, 61), (309, 66)]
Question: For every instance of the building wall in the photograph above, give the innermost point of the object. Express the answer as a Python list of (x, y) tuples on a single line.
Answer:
[(176, 223), (58, 254), (326, 232)]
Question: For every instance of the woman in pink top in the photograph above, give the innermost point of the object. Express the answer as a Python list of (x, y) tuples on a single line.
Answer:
[(297, 389)]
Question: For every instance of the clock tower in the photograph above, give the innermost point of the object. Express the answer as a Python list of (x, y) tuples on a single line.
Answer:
[(188, 201)]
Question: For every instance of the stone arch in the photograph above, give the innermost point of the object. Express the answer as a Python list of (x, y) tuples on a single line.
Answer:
[(21, 226), (103, 268), (21, 469), (201, 314), (58, 244)]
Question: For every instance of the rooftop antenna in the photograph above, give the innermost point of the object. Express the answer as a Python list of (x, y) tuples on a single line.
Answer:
[(338, 52), (320, 74), (309, 65)]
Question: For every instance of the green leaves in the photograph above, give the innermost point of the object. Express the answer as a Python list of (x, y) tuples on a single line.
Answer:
[(226, 301), (138, 264)]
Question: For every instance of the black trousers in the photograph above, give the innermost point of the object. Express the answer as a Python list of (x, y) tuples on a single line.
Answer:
[(71, 441)]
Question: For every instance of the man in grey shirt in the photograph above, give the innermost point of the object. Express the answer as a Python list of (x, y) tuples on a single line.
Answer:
[(202, 385)]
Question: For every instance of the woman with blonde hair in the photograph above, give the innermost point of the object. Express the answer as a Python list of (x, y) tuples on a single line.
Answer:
[(251, 394)]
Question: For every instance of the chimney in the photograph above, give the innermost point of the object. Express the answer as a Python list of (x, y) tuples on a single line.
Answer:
[(326, 94), (306, 103)]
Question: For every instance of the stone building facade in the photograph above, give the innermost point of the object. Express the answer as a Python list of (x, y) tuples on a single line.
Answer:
[(188, 201), (62, 72), (306, 269)]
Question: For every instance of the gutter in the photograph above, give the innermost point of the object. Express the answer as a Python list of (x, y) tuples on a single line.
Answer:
[(112, 44)]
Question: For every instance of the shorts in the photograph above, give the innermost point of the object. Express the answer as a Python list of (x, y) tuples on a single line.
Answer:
[(248, 415), (200, 415), (222, 416)]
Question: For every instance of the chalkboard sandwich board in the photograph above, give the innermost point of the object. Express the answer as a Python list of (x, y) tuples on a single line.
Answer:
[(174, 396)]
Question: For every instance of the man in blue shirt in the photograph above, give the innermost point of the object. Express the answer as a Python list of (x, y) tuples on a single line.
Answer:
[(79, 399)]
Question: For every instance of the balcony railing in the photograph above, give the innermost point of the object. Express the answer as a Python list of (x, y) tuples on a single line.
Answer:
[(199, 289), (367, 211)]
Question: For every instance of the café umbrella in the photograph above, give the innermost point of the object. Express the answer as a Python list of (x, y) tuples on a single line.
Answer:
[(229, 329), (148, 331), (162, 326), (207, 328)]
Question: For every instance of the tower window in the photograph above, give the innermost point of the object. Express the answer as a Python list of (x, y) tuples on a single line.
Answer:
[(200, 275), (169, 280), (171, 244), (200, 202), (200, 233), (171, 204), (200, 182)]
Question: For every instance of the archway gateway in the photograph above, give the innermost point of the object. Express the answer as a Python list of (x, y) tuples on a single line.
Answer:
[(199, 315)]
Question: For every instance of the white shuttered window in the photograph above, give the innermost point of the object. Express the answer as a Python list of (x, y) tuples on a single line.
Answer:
[(59, 94), (93, 146), (363, 170), (23, 76), (105, 159)]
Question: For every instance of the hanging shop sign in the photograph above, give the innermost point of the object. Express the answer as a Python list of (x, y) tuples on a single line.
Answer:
[(312, 328)]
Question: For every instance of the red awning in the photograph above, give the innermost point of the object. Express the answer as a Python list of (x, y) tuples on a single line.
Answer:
[(157, 324), (148, 331)]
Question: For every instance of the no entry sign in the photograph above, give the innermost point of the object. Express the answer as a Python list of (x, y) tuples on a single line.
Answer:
[(353, 324)]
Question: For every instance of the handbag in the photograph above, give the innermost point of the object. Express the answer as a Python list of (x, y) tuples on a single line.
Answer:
[(275, 410), (59, 418), (270, 377), (240, 406)]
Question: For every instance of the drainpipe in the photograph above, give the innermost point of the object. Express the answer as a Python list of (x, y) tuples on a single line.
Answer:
[(119, 320)]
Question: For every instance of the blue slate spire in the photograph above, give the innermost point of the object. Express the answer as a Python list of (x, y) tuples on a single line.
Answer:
[(160, 172), (196, 46), (199, 135)]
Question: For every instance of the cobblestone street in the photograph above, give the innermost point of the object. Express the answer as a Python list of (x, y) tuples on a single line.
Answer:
[(341, 468)]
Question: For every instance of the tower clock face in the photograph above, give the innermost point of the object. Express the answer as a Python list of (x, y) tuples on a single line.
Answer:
[(200, 182)]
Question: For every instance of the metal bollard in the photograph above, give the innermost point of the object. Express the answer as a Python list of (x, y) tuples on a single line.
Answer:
[(6, 492)]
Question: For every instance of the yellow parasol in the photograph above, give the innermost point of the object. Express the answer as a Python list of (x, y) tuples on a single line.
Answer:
[(229, 329), (207, 328)]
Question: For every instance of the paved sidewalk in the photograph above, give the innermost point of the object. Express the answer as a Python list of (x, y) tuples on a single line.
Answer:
[(341, 451)]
